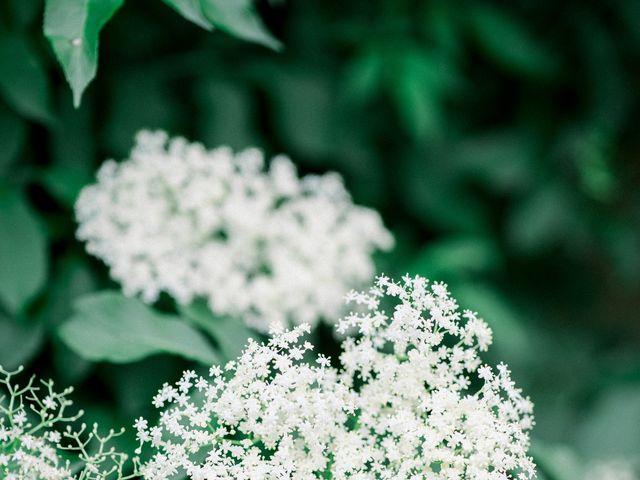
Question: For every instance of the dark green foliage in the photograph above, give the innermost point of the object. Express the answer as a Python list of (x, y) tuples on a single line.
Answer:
[(499, 140)]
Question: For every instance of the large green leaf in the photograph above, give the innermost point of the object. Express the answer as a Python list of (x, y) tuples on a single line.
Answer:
[(73, 28), (110, 327), (23, 80), (230, 333), (23, 251), (240, 19)]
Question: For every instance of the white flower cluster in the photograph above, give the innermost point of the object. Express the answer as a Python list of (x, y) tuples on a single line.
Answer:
[(267, 416), (32, 445), (261, 244), (429, 409), (411, 401)]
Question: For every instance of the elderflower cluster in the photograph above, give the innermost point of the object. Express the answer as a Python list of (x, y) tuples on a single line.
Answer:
[(258, 243), (269, 415), (33, 441), (429, 409), (411, 400)]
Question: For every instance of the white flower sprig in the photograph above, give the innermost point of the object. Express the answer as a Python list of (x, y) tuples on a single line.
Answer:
[(261, 244), (411, 401), (34, 424)]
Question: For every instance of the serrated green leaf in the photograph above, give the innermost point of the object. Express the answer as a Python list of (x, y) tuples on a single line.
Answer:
[(108, 326), (73, 29), (191, 10), (23, 255), (240, 19), (231, 334), (23, 80)]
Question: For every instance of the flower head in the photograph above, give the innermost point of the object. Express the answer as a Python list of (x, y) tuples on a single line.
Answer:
[(428, 408), (261, 244)]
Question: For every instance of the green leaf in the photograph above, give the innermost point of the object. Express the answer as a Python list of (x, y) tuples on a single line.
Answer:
[(226, 114), (546, 218), (559, 462), (23, 80), (456, 256), (513, 340), (12, 137), (73, 29), (191, 10), (108, 326), (64, 184), (240, 19), (611, 428), (508, 43), (23, 251), (305, 112), (19, 342), (230, 333)]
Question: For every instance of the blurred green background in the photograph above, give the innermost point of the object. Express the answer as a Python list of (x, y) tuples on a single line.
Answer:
[(499, 140)]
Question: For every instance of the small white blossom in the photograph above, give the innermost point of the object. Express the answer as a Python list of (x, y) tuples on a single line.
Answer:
[(260, 244)]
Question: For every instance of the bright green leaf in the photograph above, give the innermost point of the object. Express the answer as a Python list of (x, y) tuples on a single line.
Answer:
[(231, 334), (240, 19), (192, 11), (23, 251), (23, 80), (108, 326), (73, 28)]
